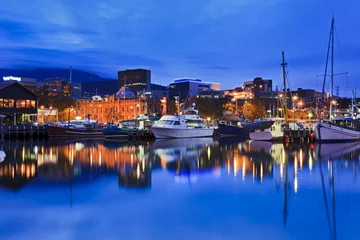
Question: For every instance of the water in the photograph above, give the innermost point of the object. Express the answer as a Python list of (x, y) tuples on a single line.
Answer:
[(179, 189)]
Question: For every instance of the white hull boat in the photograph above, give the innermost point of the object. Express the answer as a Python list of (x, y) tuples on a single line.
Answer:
[(162, 132), (274, 133), (188, 125), (328, 131)]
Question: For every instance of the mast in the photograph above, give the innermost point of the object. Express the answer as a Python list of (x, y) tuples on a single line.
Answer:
[(70, 73), (332, 66), (283, 64)]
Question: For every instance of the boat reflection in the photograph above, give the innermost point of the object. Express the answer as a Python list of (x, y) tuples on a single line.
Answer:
[(86, 160)]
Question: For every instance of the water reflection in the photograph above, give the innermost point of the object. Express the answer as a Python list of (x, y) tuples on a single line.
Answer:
[(293, 168)]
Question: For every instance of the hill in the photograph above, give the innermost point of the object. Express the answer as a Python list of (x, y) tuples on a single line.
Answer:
[(42, 73)]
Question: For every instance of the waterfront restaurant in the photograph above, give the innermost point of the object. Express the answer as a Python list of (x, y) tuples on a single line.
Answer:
[(17, 104)]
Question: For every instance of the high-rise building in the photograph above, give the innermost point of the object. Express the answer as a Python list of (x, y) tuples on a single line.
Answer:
[(135, 79)]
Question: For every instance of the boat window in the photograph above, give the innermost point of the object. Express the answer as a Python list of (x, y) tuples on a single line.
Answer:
[(168, 122), (177, 123)]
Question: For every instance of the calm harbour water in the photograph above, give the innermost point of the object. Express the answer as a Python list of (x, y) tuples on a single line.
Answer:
[(179, 189)]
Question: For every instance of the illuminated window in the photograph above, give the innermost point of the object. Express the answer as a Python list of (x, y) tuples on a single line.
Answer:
[(1, 102)]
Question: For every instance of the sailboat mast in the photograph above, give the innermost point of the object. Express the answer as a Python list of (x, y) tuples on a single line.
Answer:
[(332, 66), (283, 64)]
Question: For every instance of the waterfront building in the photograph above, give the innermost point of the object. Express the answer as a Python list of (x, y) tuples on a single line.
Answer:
[(28, 83), (135, 79), (17, 103), (109, 109)]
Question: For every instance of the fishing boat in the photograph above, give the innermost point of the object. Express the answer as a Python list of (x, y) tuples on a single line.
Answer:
[(337, 129), (274, 133), (231, 125), (120, 131), (76, 128), (187, 125)]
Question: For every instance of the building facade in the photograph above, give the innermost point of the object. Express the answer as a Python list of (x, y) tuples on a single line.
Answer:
[(17, 104), (110, 109), (135, 79)]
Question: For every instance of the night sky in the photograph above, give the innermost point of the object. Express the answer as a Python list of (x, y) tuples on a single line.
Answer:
[(226, 41)]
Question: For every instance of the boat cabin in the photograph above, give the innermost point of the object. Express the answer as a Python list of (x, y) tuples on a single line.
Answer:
[(349, 123)]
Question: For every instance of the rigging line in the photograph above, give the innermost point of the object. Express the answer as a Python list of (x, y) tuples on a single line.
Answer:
[(343, 66)]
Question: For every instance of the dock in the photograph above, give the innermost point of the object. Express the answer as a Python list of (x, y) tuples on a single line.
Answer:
[(22, 131), (299, 135)]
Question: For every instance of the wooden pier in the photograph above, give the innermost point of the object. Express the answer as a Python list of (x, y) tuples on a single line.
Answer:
[(136, 134), (22, 131), (299, 135)]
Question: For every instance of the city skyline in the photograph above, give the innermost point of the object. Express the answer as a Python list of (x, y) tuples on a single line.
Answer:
[(219, 41)]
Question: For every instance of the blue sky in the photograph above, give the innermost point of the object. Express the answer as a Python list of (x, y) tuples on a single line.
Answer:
[(226, 41)]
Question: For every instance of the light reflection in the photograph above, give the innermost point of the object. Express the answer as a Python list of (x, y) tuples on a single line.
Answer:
[(134, 164)]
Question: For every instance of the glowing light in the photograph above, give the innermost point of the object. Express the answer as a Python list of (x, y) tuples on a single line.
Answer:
[(295, 185), (301, 158), (243, 170), (281, 170), (9, 78)]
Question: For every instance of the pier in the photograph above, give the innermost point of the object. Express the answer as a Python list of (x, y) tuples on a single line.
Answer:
[(22, 131), (299, 135)]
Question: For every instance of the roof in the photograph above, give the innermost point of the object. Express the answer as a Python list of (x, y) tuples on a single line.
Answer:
[(5, 84), (9, 83)]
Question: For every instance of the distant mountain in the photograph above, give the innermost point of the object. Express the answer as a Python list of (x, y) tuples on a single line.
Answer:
[(42, 73)]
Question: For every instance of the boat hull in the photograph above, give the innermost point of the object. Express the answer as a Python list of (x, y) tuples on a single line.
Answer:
[(327, 132), (162, 132), (264, 136), (116, 133), (260, 125), (55, 131), (232, 130)]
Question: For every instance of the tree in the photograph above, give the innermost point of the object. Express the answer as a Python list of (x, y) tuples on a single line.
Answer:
[(253, 109), (208, 107)]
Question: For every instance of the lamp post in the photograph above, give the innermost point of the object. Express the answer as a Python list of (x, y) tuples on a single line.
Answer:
[(294, 98)]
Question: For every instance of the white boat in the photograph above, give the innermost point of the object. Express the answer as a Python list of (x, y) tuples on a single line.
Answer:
[(338, 129), (188, 125), (2, 156), (274, 133)]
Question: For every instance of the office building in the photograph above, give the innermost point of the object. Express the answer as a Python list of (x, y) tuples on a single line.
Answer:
[(135, 79), (184, 87)]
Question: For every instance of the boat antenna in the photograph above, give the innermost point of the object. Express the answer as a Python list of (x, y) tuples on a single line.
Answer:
[(187, 96)]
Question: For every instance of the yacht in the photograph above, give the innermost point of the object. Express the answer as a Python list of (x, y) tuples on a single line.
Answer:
[(187, 125)]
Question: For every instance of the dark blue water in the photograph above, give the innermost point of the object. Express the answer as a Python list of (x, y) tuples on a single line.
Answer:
[(179, 189)]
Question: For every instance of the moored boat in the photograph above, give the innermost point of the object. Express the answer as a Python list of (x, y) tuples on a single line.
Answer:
[(274, 133), (85, 128), (338, 129), (188, 125)]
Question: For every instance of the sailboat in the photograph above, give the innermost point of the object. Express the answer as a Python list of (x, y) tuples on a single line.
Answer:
[(340, 128)]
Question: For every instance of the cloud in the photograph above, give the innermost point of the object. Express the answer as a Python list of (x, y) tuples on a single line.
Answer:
[(229, 39)]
